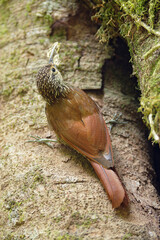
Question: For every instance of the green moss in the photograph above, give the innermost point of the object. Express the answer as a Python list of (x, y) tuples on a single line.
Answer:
[(150, 107), (83, 220), (127, 236), (154, 67), (38, 178), (115, 16), (23, 90), (29, 5), (58, 219), (42, 41), (7, 91), (135, 20), (15, 213), (14, 237), (3, 2), (15, 57), (32, 179), (9, 204), (48, 19), (44, 16), (87, 222), (109, 15), (3, 30), (138, 7), (4, 16)]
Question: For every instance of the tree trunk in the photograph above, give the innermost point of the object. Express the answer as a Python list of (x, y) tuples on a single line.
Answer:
[(54, 193)]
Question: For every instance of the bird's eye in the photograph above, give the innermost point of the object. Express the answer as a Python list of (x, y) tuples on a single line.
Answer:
[(53, 70)]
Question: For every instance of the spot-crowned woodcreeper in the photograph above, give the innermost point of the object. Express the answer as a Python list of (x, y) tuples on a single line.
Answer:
[(77, 121)]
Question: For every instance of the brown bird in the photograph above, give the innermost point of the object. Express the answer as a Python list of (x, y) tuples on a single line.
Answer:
[(77, 121)]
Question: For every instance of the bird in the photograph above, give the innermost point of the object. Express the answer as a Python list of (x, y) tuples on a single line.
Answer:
[(78, 123)]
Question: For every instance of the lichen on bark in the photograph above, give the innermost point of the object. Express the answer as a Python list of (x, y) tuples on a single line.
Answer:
[(53, 193), (138, 23)]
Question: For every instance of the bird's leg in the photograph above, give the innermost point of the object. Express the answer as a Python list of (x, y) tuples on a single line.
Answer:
[(115, 120), (42, 140)]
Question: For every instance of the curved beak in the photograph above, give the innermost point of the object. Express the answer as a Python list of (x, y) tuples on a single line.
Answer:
[(54, 51), (52, 54)]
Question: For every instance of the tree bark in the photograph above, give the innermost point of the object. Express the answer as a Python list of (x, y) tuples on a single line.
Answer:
[(54, 193)]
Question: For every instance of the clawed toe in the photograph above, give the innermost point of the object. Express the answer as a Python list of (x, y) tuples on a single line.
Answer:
[(115, 120), (45, 141)]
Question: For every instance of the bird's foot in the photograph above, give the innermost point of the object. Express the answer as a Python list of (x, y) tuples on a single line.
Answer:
[(45, 141), (115, 121)]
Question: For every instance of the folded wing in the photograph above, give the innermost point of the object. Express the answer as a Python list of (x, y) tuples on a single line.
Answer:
[(82, 128)]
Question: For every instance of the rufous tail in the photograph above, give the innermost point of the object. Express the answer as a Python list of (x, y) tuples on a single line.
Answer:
[(111, 184)]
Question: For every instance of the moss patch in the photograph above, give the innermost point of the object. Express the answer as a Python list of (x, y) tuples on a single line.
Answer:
[(138, 23)]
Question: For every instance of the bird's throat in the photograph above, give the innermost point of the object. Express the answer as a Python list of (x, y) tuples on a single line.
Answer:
[(52, 90)]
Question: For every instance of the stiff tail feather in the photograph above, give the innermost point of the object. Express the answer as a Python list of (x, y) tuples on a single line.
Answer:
[(111, 184)]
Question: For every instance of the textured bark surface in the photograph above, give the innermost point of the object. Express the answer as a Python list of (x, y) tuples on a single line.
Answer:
[(54, 193)]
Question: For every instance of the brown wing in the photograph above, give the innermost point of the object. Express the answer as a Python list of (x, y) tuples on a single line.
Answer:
[(77, 120)]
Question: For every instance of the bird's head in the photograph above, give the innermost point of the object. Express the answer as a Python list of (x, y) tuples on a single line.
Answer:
[(49, 79), (49, 72)]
